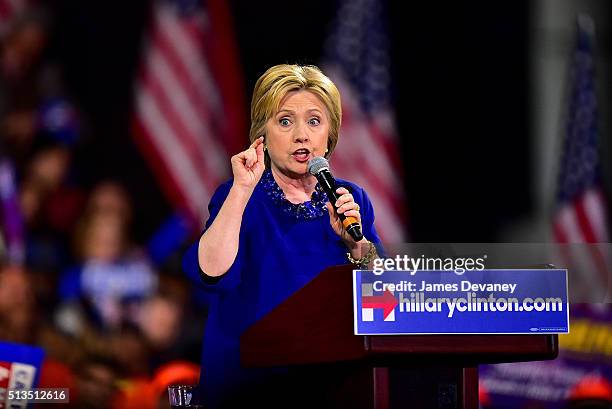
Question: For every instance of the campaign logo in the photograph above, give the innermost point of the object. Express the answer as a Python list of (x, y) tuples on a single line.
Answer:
[(369, 302)]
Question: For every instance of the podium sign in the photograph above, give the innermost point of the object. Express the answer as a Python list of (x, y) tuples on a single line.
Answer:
[(473, 302), (312, 332)]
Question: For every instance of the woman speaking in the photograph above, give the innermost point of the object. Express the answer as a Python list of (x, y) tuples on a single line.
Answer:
[(271, 228)]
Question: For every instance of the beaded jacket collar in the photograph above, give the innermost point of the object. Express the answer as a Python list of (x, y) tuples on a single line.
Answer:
[(309, 210)]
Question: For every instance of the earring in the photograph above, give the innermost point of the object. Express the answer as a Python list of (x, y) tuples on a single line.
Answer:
[(265, 148), (326, 150)]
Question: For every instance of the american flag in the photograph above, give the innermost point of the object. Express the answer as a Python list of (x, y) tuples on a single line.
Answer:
[(581, 207), (189, 103), (358, 61)]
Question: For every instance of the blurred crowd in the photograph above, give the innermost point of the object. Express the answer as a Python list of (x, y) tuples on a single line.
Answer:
[(116, 326)]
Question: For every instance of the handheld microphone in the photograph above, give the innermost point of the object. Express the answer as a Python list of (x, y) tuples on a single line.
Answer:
[(319, 168)]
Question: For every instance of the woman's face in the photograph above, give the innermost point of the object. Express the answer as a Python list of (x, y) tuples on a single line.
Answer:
[(297, 132)]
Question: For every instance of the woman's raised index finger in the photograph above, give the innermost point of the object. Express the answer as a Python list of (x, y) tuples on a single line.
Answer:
[(257, 142)]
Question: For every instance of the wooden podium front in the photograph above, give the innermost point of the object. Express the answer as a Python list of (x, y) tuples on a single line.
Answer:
[(312, 332)]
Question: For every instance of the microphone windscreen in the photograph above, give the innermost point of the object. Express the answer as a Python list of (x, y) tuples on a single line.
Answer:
[(317, 164)]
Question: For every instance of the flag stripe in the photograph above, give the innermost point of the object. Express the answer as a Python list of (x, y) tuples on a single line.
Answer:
[(559, 233), (570, 225), (165, 46), (581, 215), (569, 230), (386, 208), (159, 134), (225, 68), (196, 128), (358, 158), (179, 107), (576, 257), (593, 202), (363, 150), (161, 168), (380, 126), (188, 51), (381, 183), (157, 129), (372, 183), (584, 223), (366, 139), (184, 137), (367, 152), (390, 147)]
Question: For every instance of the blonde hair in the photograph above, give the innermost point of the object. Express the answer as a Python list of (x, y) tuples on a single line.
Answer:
[(277, 81)]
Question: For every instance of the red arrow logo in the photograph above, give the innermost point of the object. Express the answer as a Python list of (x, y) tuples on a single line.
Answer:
[(386, 301)]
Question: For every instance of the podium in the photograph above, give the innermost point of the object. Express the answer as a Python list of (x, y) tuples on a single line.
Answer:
[(312, 333)]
